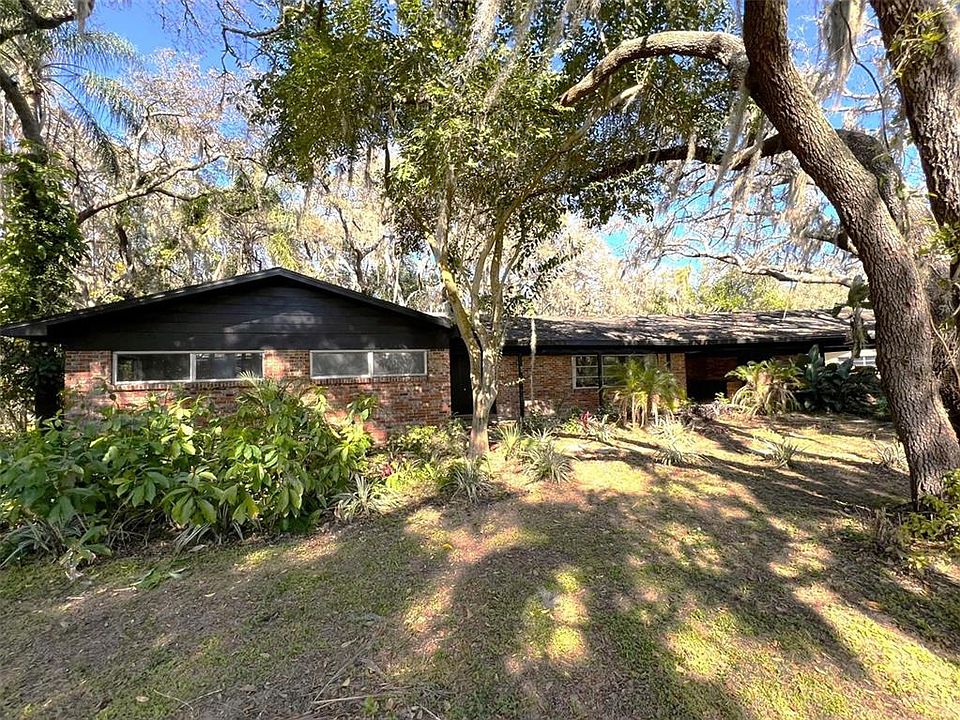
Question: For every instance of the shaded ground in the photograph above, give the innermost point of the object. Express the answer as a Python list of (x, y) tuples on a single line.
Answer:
[(730, 590)]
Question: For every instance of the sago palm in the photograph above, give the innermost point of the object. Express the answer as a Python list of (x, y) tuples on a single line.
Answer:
[(768, 387), (645, 389)]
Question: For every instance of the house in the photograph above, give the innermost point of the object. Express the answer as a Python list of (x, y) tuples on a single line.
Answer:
[(280, 324)]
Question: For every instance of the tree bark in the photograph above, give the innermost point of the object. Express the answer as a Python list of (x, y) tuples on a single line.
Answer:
[(904, 333), (928, 76)]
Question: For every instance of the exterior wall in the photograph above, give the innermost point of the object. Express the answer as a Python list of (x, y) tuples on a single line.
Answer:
[(402, 400), (551, 390), (255, 316)]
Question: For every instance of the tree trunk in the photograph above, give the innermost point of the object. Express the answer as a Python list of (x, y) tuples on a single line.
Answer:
[(904, 332), (928, 75), (479, 429), (484, 373)]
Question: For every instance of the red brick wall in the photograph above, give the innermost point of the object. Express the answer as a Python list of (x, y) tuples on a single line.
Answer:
[(402, 400), (551, 390)]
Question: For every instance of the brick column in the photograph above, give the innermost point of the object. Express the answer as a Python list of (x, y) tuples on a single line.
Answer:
[(280, 364)]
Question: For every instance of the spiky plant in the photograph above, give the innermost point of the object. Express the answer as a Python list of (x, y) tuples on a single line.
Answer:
[(644, 389), (470, 478), (768, 387)]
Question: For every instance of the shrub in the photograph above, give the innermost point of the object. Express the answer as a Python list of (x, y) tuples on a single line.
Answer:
[(366, 497), (937, 519), (77, 488), (644, 389), (768, 387), (543, 461), (838, 387), (891, 455), (431, 443), (587, 425), (780, 452), (470, 478), (674, 445), (508, 436)]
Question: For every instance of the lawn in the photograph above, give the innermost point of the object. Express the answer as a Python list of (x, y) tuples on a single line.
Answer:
[(730, 589)]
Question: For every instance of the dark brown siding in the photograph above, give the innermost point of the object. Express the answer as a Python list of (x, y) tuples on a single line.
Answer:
[(252, 318)]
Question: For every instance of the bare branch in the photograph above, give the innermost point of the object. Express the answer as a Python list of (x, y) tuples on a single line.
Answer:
[(722, 47), (781, 274), (143, 186)]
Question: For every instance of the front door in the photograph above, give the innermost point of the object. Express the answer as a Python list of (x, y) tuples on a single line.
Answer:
[(461, 394)]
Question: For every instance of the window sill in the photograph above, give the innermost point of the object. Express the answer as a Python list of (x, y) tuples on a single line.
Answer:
[(368, 380), (192, 385)]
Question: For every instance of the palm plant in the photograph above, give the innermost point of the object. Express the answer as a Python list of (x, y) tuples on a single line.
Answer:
[(768, 387), (644, 390)]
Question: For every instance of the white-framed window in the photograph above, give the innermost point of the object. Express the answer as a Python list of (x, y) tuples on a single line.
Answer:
[(332, 364), (594, 371), (181, 367), (586, 371)]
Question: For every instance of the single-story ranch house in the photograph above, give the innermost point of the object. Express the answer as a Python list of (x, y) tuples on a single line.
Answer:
[(281, 324)]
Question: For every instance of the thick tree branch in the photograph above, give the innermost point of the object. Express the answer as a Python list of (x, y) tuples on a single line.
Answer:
[(722, 47), (32, 21), (144, 185), (782, 274), (29, 123)]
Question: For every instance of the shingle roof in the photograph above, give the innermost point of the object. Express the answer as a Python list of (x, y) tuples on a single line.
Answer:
[(731, 328)]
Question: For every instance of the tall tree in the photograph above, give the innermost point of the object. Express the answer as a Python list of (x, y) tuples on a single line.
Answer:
[(845, 167), (487, 164)]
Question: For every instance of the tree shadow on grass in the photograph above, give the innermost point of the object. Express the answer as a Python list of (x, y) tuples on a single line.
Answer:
[(658, 593)]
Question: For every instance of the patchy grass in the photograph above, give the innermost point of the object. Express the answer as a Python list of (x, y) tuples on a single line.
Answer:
[(726, 589)]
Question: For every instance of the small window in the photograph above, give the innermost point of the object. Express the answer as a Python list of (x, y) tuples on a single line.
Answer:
[(586, 371), (153, 367), (394, 362), (228, 366), (367, 363), (339, 364)]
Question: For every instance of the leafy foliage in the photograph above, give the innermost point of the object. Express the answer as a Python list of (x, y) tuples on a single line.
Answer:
[(544, 461), (508, 435), (77, 488), (644, 389), (469, 477), (769, 387), (837, 387), (937, 519), (366, 497), (674, 445), (39, 252), (780, 452)]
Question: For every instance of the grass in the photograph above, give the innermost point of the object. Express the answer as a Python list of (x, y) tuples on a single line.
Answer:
[(724, 589)]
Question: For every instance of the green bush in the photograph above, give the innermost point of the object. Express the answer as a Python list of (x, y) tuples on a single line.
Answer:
[(431, 443), (543, 461), (77, 488), (644, 389), (838, 387), (768, 387), (470, 478), (937, 519)]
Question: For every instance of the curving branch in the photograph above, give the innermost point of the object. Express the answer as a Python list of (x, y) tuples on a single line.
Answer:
[(31, 20), (782, 274), (29, 123), (724, 48), (144, 185)]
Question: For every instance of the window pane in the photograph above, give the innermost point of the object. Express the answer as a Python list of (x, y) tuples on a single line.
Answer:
[(586, 371), (228, 366), (399, 363), (339, 364), (613, 369), (153, 367)]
